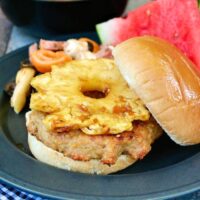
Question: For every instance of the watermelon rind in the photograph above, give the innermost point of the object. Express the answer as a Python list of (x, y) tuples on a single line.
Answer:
[(102, 32)]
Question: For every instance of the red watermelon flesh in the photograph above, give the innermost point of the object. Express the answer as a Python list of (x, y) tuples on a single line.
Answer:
[(177, 21)]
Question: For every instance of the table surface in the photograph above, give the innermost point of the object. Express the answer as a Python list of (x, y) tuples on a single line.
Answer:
[(12, 38)]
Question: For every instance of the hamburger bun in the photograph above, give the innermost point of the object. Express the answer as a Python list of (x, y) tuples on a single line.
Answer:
[(57, 159), (167, 83), (39, 139)]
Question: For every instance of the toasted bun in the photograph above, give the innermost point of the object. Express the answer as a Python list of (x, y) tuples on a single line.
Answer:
[(166, 81), (57, 159)]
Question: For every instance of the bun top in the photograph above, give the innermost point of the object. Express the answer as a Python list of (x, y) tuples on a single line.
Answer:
[(167, 83)]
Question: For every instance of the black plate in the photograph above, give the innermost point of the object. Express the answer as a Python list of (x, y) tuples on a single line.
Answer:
[(169, 169)]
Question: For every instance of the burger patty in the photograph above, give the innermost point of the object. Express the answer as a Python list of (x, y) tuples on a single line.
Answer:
[(107, 148)]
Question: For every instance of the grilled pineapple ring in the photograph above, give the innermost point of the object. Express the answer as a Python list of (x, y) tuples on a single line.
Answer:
[(62, 95)]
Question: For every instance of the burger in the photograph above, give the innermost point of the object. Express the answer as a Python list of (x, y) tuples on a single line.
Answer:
[(102, 115)]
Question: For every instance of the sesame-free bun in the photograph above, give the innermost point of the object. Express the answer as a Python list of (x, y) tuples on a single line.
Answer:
[(39, 139), (44, 146), (167, 83), (57, 159)]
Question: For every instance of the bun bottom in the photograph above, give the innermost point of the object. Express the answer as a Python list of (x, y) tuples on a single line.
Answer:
[(57, 159)]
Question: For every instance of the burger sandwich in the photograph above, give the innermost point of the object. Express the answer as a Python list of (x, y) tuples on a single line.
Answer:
[(101, 115)]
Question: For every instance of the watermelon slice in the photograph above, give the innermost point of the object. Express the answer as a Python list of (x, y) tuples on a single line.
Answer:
[(177, 21)]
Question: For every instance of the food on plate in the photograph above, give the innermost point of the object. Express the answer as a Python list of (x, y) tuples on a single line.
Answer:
[(22, 88), (52, 53), (93, 46), (64, 95), (10, 86), (82, 48), (98, 108), (94, 154), (85, 43), (51, 45), (166, 81), (78, 49), (43, 60), (59, 52), (177, 21), (86, 118), (67, 131)]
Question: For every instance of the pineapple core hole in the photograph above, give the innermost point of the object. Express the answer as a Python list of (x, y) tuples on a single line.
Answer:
[(95, 94)]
